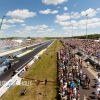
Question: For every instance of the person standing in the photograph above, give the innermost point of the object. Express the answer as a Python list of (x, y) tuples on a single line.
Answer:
[(88, 63), (98, 96), (78, 84), (88, 83), (26, 67), (14, 72), (98, 73)]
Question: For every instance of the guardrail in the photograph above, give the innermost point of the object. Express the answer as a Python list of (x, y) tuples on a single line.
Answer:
[(16, 79)]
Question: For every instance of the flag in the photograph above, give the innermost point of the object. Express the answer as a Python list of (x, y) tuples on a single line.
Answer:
[(1, 22)]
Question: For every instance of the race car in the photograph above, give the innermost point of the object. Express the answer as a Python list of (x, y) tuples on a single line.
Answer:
[(8, 63), (3, 69)]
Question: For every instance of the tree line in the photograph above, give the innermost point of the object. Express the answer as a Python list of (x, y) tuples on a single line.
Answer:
[(91, 36)]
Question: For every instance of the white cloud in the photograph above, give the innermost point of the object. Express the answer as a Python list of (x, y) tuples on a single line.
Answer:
[(4, 20), (15, 20), (45, 11), (49, 30), (73, 22), (91, 12), (93, 20), (48, 11), (43, 26), (5, 26), (64, 23), (1, 33), (54, 2), (29, 28), (81, 24), (91, 23), (23, 24), (54, 12), (46, 31), (21, 14), (75, 15), (98, 9), (62, 17), (58, 7), (38, 27), (65, 8), (75, 5)]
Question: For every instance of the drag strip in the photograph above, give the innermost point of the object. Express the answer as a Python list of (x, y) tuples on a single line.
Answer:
[(25, 58), (18, 51)]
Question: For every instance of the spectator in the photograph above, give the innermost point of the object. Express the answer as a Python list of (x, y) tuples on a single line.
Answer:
[(98, 73), (88, 63), (78, 84), (98, 96), (26, 67)]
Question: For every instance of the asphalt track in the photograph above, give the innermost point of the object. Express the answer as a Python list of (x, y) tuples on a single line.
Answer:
[(20, 51), (7, 75), (85, 91)]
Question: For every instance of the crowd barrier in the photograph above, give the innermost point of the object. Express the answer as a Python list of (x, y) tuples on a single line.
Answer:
[(16, 79)]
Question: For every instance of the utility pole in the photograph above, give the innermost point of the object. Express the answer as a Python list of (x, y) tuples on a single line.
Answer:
[(72, 31), (86, 25)]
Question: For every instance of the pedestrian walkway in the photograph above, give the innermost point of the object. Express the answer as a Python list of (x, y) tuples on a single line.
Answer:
[(91, 68), (93, 76)]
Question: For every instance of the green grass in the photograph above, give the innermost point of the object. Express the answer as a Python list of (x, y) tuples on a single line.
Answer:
[(44, 68)]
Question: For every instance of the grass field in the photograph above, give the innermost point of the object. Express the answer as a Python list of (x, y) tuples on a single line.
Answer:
[(44, 68)]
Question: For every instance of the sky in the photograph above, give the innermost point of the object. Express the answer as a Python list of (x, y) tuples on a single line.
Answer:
[(49, 18)]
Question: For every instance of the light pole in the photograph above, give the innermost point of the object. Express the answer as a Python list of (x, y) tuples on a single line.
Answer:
[(72, 31), (67, 33), (6, 37), (86, 24)]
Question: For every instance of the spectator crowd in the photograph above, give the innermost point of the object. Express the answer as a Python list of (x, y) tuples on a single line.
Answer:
[(89, 47), (71, 75)]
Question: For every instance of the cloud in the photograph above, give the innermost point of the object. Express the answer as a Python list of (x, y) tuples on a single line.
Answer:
[(48, 11), (64, 23), (53, 2), (29, 28), (62, 17), (21, 14), (38, 27), (45, 11), (75, 15), (15, 20), (1, 33), (23, 24), (75, 5), (65, 8), (91, 23), (58, 7), (66, 16), (4, 20), (98, 9), (49, 30), (46, 31), (54, 12), (81, 24), (91, 12), (43, 26), (5, 26)]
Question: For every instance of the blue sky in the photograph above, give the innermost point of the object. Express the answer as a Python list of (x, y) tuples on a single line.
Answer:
[(49, 18)]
